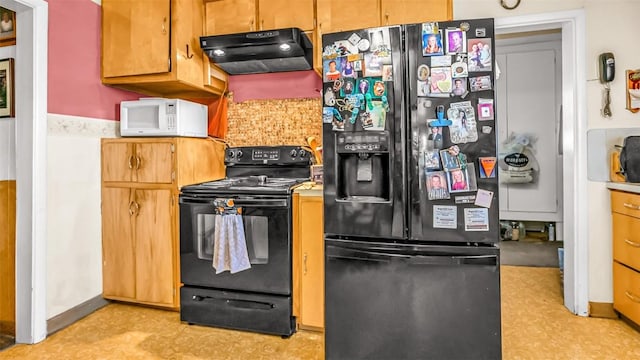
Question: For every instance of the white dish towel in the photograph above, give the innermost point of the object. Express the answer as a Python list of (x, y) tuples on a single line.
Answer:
[(230, 246)]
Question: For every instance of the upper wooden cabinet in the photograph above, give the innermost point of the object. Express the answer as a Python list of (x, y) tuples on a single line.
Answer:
[(394, 12), (230, 16), (152, 47), (234, 16), (339, 15), (280, 14)]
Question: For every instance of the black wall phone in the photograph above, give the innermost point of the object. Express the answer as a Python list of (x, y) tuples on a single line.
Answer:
[(607, 67)]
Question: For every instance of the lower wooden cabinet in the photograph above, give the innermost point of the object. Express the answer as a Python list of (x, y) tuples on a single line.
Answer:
[(141, 180), (138, 248), (308, 254), (625, 208)]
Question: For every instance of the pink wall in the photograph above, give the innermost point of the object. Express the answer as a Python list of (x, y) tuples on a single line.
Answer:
[(74, 86)]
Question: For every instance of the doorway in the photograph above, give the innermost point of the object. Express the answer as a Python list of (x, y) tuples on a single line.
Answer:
[(530, 79), (573, 30)]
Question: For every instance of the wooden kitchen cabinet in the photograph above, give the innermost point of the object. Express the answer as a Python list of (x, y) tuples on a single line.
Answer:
[(236, 16), (625, 209), (338, 15), (308, 264), (153, 47), (141, 180), (395, 12)]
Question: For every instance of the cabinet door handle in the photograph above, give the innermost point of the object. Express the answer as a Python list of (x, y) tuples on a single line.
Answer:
[(131, 208), (632, 297), (632, 206), (189, 56), (386, 18), (632, 243), (138, 162), (251, 25), (262, 24), (304, 261), (164, 26), (130, 162)]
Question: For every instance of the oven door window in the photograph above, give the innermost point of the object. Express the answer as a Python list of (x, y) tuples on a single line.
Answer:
[(256, 231)]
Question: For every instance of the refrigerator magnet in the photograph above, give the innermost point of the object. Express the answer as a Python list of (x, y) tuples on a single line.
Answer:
[(456, 41), (457, 180), (354, 39), (480, 83), (423, 72), (463, 128), (440, 61), (459, 69), (459, 87), (476, 219), (331, 70), (437, 186), (435, 137), (465, 199), (445, 217), (432, 44), (440, 80), (487, 167), (432, 160), (485, 109), (484, 198), (423, 88), (449, 160), (480, 58)]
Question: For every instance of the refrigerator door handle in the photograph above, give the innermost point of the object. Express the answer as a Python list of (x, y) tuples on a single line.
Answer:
[(414, 259), (491, 260)]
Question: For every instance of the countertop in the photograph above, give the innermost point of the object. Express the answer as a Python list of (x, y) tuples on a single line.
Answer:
[(624, 186), (309, 188)]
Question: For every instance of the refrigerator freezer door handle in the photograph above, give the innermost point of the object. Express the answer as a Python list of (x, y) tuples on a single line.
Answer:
[(355, 254), (455, 260)]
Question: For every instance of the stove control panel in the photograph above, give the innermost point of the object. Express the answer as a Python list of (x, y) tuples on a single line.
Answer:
[(274, 155)]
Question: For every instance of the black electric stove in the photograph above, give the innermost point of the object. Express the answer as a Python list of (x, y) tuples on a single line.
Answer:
[(259, 181), (259, 170)]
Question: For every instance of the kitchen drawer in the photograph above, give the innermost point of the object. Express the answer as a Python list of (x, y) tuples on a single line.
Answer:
[(625, 203), (626, 291), (626, 240)]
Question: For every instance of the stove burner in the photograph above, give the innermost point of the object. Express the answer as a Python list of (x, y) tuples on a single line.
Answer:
[(254, 183)]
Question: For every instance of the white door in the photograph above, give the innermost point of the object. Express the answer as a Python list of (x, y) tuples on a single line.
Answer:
[(528, 102)]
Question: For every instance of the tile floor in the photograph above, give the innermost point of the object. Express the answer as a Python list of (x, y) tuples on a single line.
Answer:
[(535, 325)]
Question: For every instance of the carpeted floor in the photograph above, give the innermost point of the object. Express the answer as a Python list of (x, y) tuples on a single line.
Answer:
[(535, 325)]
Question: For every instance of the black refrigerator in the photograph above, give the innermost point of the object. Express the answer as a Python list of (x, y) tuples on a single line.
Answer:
[(412, 265)]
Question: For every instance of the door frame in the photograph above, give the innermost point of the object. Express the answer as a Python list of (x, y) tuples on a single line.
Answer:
[(31, 164), (574, 106)]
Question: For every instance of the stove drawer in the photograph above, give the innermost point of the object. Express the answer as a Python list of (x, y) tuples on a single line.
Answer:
[(234, 310)]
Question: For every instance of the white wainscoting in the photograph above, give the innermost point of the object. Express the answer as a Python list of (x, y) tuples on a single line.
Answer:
[(74, 240)]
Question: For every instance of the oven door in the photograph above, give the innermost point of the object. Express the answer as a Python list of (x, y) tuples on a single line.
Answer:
[(267, 227)]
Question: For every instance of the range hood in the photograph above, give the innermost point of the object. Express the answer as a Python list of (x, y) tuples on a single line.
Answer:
[(260, 52)]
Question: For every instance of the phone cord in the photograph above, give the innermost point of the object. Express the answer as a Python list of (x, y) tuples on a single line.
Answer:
[(606, 110)]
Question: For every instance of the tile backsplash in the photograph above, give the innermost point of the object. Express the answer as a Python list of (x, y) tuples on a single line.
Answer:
[(274, 122)]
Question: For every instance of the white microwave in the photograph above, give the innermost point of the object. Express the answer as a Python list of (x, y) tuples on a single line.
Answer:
[(163, 117)]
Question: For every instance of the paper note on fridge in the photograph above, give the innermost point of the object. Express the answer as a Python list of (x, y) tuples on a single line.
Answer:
[(484, 198)]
